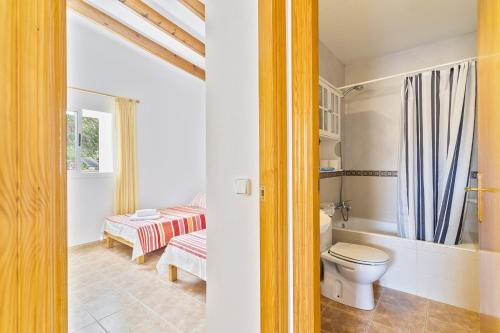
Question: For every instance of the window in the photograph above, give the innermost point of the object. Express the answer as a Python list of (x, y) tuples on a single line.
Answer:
[(89, 141)]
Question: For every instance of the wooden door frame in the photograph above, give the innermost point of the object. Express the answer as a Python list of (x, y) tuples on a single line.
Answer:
[(305, 166), (273, 166), (33, 282)]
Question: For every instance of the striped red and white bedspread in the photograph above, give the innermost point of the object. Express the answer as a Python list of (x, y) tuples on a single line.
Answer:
[(151, 235), (187, 252), (194, 243)]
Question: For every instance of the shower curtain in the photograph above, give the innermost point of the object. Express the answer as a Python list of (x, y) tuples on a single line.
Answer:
[(438, 116)]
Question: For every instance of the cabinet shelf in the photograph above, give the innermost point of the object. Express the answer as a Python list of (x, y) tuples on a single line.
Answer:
[(328, 136)]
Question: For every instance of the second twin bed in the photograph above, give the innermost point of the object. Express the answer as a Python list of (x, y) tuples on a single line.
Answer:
[(181, 229)]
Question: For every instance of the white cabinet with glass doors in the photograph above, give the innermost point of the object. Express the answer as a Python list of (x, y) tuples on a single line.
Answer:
[(329, 111)]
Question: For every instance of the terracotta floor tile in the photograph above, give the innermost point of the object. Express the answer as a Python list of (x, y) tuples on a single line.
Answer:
[(335, 319), (397, 312), (454, 316), (380, 328), (401, 314), (438, 326)]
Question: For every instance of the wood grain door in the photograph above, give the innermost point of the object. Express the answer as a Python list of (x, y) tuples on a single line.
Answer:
[(33, 168), (489, 161)]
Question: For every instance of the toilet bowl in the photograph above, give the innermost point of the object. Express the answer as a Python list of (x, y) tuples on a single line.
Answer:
[(325, 231), (350, 271)]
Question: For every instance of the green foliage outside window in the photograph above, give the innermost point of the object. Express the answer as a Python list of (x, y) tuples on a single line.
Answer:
[(90, 144), (70, 141)]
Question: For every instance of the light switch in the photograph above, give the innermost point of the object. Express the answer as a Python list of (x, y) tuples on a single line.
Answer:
[(242, 186)]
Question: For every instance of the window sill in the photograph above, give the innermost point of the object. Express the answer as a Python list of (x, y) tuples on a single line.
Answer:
[(91, 175)]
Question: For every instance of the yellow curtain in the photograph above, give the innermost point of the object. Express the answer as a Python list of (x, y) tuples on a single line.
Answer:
[(126, 177)]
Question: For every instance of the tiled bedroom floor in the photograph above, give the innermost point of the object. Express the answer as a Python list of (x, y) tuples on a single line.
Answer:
[(397, 312), (110, 293)]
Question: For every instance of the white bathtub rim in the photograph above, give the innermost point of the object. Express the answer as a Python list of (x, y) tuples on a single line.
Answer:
[(469, 247)]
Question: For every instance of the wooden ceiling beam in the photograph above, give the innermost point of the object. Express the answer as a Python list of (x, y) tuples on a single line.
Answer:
[(164, 24), (196, 6), (135, 37)]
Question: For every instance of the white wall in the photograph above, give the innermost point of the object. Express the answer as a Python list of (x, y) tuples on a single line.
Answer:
[(371, 129), (425, 55), (170, 124), (233, 297), (330, 67)]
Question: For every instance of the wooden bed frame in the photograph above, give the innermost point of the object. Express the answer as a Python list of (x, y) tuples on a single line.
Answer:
[(172, 273), (109, 243)]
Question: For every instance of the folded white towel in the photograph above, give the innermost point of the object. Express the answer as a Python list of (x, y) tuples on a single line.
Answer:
[(146, 212), (144, 218)]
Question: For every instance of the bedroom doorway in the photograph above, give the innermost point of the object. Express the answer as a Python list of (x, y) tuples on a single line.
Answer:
[(137, 259)]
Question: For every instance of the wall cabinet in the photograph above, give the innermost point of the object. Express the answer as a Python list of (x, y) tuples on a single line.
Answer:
[(329, 111)]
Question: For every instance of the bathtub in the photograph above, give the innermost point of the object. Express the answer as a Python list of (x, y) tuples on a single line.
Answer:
[(444, 273)]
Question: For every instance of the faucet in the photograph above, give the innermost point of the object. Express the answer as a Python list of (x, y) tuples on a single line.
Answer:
[(344, 204)]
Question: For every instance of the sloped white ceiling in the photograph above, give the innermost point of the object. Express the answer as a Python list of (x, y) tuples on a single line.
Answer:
[(171, 9), (355, 30)]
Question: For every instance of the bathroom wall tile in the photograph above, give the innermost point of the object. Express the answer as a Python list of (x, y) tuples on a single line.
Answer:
[(448, 274), (372, 138), (329, 189), (399, 279), (463, 294), (431, 263), (490, 290), (373, 198), (432, 287), (346, 236)]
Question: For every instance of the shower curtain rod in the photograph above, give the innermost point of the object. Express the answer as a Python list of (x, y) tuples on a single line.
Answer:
[(405, 74), (102, 94)]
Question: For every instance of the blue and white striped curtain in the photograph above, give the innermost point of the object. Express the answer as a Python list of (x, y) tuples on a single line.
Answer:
[(438, 115)]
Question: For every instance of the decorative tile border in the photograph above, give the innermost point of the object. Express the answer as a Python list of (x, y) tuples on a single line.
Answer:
[(371, 173), (330, 174), (362, 173)]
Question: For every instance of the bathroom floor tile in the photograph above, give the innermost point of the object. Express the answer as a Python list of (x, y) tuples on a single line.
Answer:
[(407, 318), (397, 312), (452, 315), (380, 328)]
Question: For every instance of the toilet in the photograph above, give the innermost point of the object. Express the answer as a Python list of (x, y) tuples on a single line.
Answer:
[(350, 271)]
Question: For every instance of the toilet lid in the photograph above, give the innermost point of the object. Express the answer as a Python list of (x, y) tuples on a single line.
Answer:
[(359, 253)]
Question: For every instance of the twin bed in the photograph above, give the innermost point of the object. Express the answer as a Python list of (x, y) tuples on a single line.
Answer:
[(181, 229)]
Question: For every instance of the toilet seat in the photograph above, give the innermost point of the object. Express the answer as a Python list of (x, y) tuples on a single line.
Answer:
[(358, 254)]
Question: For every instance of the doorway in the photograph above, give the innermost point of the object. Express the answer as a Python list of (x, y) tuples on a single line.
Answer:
[(353, 176)]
